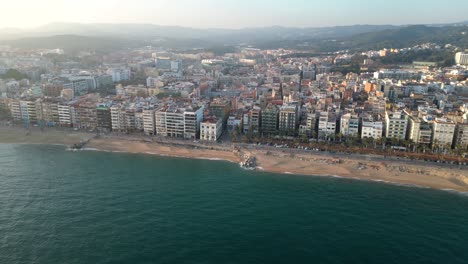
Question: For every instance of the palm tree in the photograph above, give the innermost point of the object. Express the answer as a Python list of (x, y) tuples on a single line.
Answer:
[(339, 136)]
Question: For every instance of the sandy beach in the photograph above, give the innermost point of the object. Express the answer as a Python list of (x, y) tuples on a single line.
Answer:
[(282, 161)]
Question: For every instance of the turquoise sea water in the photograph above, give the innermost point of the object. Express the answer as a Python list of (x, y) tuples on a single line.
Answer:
[(95, 207)]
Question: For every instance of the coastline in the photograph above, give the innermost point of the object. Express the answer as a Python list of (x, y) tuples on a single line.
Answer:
[(404, 172)]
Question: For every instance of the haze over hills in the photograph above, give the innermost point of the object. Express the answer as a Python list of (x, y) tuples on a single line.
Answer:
[(74, 36)]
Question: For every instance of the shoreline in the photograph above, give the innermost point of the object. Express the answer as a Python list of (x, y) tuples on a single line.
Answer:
[(400, 172)]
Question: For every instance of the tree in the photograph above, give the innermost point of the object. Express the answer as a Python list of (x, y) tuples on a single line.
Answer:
[(13, 74)]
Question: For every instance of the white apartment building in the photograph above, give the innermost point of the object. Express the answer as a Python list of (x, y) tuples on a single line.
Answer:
[(119, 74), (149, 124), (64, 114), (396, 125), (211, 129), (15, 109), (349, 125), (178, 122), (124, 119), (326, 125), (444, 131), (372, 127), (420, 130), (461, 58)]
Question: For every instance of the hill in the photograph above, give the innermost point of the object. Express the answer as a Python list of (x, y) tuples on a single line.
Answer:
[(72, 43)]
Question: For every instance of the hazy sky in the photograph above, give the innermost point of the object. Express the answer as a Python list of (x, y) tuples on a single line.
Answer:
[(232, 13)]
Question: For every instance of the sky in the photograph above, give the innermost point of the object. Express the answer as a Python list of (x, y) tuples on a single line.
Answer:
[(232, 13)]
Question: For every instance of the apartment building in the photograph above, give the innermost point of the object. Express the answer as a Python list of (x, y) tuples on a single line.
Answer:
[(326, 125), (396, 125), (372, 126), (288, 117), (444, 132), (211, 129), (349, 125)]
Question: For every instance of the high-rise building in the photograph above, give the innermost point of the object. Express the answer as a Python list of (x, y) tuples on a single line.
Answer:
[(420, 130), (288, 118), (461, 135), (461, 58), (396, 125), (444, 132), (269, 119), (149, 125), (349, 125), (372, 127)]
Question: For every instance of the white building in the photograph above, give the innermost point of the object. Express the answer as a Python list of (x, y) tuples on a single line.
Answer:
[(119, 74), (372, 127), (420, 130), (149, 124), (444, 131), (64, 114), (349, 125), (179, 122), (461, 58), (326, 125), (211, 129)]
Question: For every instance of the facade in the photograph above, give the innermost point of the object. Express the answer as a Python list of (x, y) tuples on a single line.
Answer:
[(326, 125), (65, 115), (461, 58), (149, 123), (372, 127), (211, 129), (119, 75), (349, 125), (270, 119), (444, 132), (104, 119), (461, 135), (179, 122), (419, 130), (85, 116), (288, 117), (396, 125), (255, 119)]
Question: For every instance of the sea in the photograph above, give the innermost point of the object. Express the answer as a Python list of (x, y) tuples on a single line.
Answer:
[(96, 207)]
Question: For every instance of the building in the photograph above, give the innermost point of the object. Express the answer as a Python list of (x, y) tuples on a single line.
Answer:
[(211, 129), (149, 123), (270, 119), (461, 136), (119, 75), (50, 113), (327, 125), (288, 118), (396, 125), (179, 122), (15, 110), (396, 75), (86, 116), (255, 119), (104, 118), (461, 58), (419, 130), (349, 125), (372, 127), (65, 115), (220, 109), (444, 132)]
